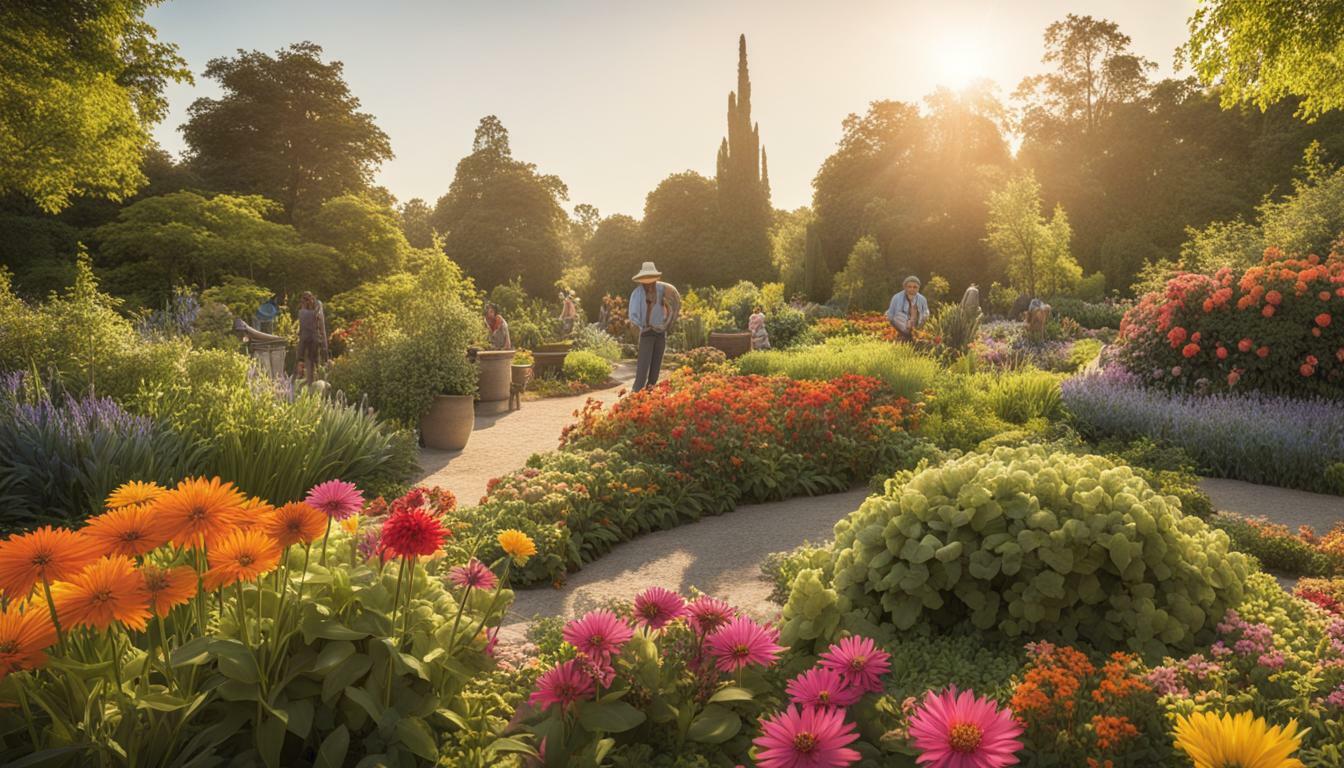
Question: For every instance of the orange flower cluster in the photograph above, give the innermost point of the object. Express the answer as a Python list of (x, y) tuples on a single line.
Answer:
[(102, 574), (872, 324), (1067, 705)]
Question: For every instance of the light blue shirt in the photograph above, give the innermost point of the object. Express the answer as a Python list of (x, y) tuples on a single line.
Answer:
[(898, 313)]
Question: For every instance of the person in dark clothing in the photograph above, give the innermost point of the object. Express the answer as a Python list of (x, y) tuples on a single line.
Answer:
[(312, 335), (654, 306)]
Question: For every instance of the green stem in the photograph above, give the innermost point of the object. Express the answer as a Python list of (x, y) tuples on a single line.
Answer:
[(51, 606), (116, 658), (406, 612), (27, 713), (396, 596), (327, 535)]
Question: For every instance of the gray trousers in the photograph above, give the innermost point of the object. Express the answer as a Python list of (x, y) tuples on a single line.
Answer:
[(652, 344)]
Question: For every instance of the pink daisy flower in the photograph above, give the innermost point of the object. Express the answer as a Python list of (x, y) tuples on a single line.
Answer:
[(962, 731), (822, 687), (859, 660), (806, 737), (563, 684), (336, 499), (741, 642), (708, 613), (598, 635), (473, 575), (657, 607)]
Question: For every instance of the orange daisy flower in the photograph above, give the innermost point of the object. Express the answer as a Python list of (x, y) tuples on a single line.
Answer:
[(24, 637), (255, 510), (168, 587), (241, 556), (200, 509), (134, 492), (132, 530), (45, 553), (106, 591), (295, 522)]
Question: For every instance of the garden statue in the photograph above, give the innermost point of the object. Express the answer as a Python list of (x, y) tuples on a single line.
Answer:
[(970, 301), (908, 309), (760, 339), (1038, 315), (568, 314), (654, 306)]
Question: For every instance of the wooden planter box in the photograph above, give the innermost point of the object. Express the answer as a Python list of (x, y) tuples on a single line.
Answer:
[(732, 344)]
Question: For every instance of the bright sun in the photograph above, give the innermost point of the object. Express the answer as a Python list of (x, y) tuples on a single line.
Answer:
[(960, 59)]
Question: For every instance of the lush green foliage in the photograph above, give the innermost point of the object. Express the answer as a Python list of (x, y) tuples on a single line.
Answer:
[(587, 368), (1090, 315), (1032, 542), (1035, 252), (904, 371)]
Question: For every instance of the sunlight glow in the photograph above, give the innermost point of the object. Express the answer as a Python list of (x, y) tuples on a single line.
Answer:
[(960, 58)]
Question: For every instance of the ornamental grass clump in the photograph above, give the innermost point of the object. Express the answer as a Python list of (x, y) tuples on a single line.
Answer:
[(1030, 542)]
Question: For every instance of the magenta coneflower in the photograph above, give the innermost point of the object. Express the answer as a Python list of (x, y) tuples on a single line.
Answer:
[(709, 613), (563, 684), (741, 642), (336, 499), (822, 687), (599, 634), (962, 731), (860, 661), (657, 607), (474, 574), (806, 737)]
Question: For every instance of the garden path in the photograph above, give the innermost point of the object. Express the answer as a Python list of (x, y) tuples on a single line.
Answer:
[(503, 442), (1281, 505), (720, 555)]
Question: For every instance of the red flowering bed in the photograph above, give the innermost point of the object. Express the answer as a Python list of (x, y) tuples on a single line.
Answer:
[(756, 437), (1277, 328), (856, 324)]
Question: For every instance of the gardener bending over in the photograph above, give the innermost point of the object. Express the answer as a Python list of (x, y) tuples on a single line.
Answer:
[(654, 306), (908, 309)]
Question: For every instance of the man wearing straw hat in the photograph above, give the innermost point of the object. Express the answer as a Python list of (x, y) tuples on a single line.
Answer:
[(654, 306)]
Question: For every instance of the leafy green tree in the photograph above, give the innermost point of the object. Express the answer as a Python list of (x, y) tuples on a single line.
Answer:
[(1035, 252), (1310, 219), (501, 219), (414, 216), (286, 127), (612, 255), (367, 236), (81, 84), (816, 277), (788, 238), (680, 230), (1263, 51), (743, 181), (868, 279), (187, 238)]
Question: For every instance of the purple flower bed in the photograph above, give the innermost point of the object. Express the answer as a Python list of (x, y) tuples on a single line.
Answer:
[(1275, 440)]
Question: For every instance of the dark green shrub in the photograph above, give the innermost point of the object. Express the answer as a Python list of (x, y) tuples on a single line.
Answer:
[(787, 327)]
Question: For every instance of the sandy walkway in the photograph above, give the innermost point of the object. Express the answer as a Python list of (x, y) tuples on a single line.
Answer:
[(1282, 505), (503, 442)]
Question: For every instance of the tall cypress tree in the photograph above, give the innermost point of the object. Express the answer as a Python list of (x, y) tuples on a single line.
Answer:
[(744, 188)]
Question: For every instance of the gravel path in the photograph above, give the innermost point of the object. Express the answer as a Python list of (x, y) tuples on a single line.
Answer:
[(503, 442), (1281, 505), (720, 555)]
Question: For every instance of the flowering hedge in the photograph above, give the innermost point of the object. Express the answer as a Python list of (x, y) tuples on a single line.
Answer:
[(1279, 327), (1259, 438)]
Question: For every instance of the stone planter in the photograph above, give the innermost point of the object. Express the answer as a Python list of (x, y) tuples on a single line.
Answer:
[(548, 362), (555, 346), (495, 378), (732, 344), (447, 426), (522, 374)]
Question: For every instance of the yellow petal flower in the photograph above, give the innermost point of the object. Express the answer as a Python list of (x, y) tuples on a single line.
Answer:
[(1237, 741)]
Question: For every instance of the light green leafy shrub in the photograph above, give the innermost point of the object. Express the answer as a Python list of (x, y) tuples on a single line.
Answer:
[(1021, 396), (597, 341), (906, 371), (1040, 543), (780, 568), (587, 368)]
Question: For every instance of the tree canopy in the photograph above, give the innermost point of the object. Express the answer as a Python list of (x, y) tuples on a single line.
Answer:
[(286, 127), (81, 84)]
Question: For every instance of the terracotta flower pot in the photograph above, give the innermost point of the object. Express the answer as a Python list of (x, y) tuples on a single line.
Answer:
[(732, 344), (495, 378), (522, 374), (447, 426)]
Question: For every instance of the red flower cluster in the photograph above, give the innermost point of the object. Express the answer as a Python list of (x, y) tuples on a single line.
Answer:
[(748, 430), (1270, 329), (872, 324)]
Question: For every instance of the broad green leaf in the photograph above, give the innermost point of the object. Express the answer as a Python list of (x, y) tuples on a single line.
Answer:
[(236, 660), (416, 735), (609, 716), (160, 702), (332, 752), (332, 654), (366, 702), (731, 693), (344, 675), (714, 725), (271, 740)]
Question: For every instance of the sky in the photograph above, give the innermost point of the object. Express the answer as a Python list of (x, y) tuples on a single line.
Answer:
[(614, 96)]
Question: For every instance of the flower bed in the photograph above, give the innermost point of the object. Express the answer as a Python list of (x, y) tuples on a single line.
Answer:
[(872, 324), (1258, 438), (199, 625), (1272, 329)]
